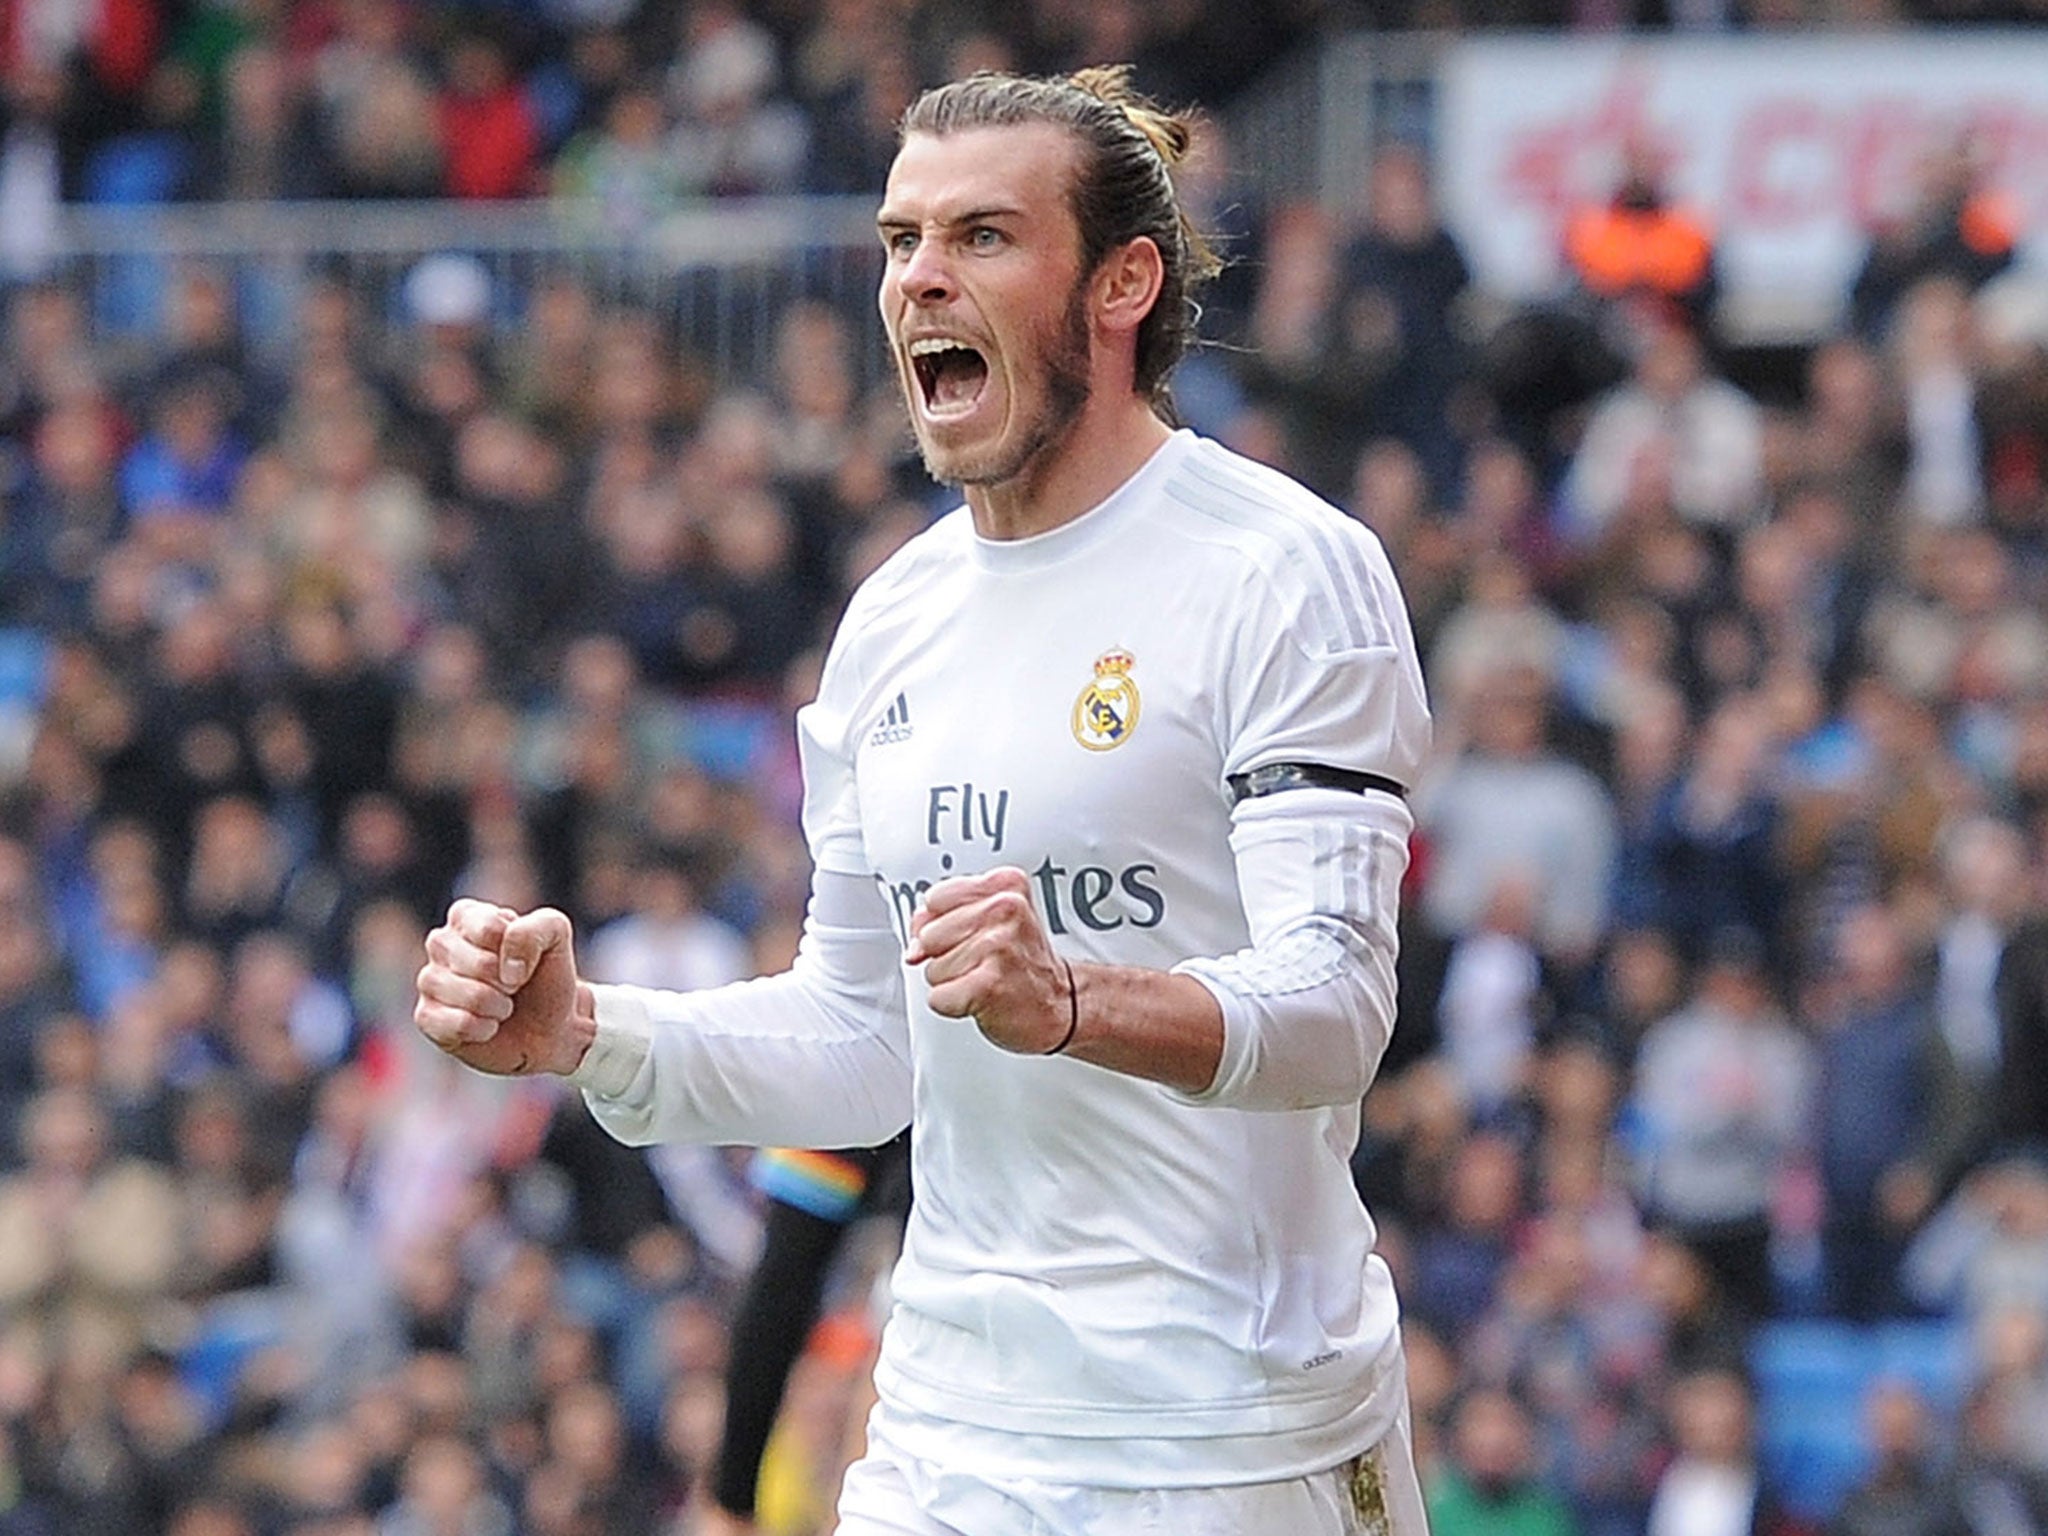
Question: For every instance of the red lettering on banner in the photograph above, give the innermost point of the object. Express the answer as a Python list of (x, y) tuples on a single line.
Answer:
[(1560, 165), (1773, 182), (1997, 133), (1795, 160), (2009, 141), (1886, 141)]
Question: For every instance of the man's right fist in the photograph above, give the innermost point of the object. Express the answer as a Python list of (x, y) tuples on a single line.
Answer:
[(500, 993)]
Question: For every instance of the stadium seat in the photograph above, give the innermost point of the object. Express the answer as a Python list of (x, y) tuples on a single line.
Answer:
[(1812, 1380), (1813, 1453), (1933, 1354), (1806, 1359)]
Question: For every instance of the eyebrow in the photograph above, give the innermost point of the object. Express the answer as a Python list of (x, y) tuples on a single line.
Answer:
[(888, 219)]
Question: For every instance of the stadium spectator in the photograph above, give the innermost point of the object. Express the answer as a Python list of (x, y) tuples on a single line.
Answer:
[(1714, 1486), (1711, 844), (1980, 1257), (40, 151), (1502, 625), (734, 137), (1993, 1480), (443, 1488), (83, 1227), (1984, 879), (1906, 1488), (1642, 252), (548, 366), (2022, 992), (854, 133), (63, 519), (1720, 1110), (1954, 226), (1698, 1329), (353, 519), (1460, 1256), (179, 479), (1931, 348), (1694, 438), (490, 143), (623, 171), (1579, 1355), (1510, 808), (1405, 282), (1304, 370), (269, 145), (1488, 1485), (1872, 1099), (374, 105)]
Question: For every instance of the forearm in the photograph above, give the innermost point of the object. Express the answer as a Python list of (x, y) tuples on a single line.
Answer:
[(760, 1063), (1308, 1008), (1149, 1024), (816, 1057)]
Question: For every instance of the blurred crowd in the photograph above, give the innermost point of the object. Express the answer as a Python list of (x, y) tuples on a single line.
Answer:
[(634, 107), (1725, 966)]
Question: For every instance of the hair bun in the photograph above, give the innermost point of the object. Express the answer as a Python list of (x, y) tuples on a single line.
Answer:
[(1168, 134)]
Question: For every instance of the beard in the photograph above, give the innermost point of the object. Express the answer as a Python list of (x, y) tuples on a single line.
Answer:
[(1059, 356)]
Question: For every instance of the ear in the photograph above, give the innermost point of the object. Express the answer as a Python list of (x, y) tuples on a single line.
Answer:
[(1127, 284)]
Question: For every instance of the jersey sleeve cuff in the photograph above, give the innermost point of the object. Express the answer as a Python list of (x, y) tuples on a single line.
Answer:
[(625, 1035), (1237, 1043)]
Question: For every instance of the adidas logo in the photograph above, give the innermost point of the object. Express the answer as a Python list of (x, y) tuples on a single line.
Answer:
[(894, 726)]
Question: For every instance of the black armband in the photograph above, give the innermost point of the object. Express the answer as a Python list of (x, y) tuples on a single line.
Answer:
[(1274, 778)]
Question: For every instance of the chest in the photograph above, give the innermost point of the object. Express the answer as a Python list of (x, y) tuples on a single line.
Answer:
[(1051, 729)]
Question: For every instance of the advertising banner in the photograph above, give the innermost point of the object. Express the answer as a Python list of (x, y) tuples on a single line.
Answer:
[(1794, 148)]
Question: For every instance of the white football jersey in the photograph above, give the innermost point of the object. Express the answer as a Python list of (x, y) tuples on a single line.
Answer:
[(1105, 1281)]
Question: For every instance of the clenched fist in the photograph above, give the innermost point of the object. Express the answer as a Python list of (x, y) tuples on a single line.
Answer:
[(987, 957), (500, 993)]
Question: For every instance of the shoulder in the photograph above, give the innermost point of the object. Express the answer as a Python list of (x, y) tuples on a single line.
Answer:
[(882, 615), (1790, 1049), (1242, 494), (2026, 952), (1550, 779), (926, 557), (1323, 568), (898, 588), (1579, 781)]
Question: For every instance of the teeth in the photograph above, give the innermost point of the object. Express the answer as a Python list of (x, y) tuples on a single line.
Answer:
[(928, 345)]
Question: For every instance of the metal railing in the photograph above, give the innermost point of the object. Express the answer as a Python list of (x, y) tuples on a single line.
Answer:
[(1307, 130), (718, 274)]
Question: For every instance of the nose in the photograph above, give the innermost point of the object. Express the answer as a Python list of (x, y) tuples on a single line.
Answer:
[(925, 276)]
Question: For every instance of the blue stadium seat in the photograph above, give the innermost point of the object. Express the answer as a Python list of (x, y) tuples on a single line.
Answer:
[(1813, 1453), (1934, 1355), (1811, 1376), (232, 1331), (1812, 1380), (1806, 1357), (24, 678)]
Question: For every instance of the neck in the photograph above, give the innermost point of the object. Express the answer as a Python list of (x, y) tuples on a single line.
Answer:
[(1106, 445)]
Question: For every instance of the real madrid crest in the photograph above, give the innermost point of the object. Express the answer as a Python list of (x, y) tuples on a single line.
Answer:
[(1107, 711)]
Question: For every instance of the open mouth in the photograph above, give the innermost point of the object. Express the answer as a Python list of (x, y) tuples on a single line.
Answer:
[(950, 374)]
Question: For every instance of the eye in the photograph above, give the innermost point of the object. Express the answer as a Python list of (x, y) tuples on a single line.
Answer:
[(984, 237), (899, 243)]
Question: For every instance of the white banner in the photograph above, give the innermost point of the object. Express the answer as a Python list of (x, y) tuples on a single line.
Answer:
[(1792, 147)]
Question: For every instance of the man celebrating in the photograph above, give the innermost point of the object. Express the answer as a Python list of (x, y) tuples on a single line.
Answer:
[(1104, 791)]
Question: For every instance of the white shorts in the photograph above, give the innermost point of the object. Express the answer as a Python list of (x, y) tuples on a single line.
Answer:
[(889, 1493)]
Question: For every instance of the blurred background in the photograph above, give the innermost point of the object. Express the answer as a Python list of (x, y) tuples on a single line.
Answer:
[(436, 439)]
